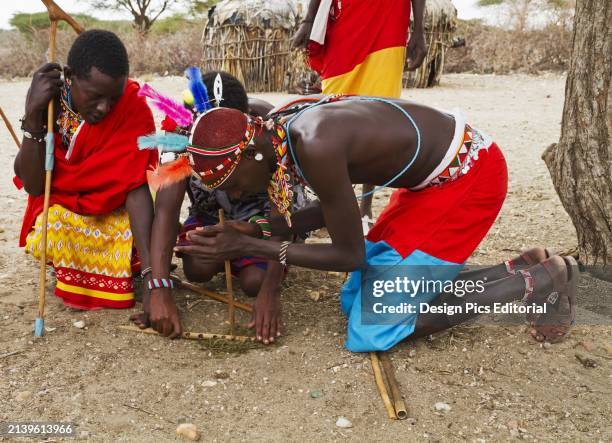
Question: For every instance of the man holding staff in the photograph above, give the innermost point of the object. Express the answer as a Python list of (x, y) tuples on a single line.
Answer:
[(100, 203), (451, 181)]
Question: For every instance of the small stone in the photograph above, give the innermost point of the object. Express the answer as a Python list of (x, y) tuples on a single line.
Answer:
[(344, 422), (314, 295), (440, 406), (79, 324), (588, 346), (586, 361), (209, 383), (512, 424), (221, 375), (412, 353), (23, 396), (188, 431), (316, 394), (546, 345), (48, 329), (84, 434), (609, 349)]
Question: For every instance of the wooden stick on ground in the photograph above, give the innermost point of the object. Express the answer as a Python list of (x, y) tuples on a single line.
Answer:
[(398, 402), (10, 128), (228, 282), (210, 294), (192, 335), (380, 383)]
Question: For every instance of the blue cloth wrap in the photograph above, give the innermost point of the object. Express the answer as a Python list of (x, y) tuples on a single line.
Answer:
[(366, 336)]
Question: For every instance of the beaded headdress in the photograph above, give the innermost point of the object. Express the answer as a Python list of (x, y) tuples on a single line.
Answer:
[(209, 142)]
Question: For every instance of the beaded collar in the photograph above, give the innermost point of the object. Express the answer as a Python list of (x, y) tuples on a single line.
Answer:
[(68, 120)]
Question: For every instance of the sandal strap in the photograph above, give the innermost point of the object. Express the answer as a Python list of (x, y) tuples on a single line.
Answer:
[(510, 267), (528, 285)]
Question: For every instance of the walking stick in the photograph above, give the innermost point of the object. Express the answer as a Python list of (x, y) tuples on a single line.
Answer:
[(9, 127), (228, 281), (55, 15), (42, 284)]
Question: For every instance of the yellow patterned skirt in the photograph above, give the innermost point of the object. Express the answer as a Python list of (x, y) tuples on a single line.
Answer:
[(92, 257)]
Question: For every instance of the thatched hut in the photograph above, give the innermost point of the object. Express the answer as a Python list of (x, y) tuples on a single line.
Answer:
[(252, 40), (440, 24)]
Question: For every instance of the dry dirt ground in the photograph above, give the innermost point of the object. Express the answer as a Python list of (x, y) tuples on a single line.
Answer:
[(500, 384)]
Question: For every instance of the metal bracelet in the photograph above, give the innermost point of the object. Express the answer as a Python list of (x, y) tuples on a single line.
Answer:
[(146, 271), (282, 253)]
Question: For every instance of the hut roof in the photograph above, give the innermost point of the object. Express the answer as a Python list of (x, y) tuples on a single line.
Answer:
[(287, 13), (440, 11), (259, 13)]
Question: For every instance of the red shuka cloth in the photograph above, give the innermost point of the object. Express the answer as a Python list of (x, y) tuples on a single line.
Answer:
[(105, 164), (360, 28)]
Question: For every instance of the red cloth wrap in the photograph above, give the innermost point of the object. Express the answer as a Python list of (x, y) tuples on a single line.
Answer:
[(447, 221), (105, 164), (360, 28)]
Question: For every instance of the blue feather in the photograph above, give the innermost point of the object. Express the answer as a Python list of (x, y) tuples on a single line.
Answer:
[(166, 142), (198, 89)]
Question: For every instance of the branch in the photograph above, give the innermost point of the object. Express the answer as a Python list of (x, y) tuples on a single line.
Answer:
[(163, 8)]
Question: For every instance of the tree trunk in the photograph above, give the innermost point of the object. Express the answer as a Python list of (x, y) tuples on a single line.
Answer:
[(581, 163)]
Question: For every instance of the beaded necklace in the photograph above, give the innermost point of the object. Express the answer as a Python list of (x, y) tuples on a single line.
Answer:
[(68, 121), (279, 189)]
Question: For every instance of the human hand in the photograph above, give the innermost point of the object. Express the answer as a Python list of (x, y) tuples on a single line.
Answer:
[(164, 316), (246, 228), (141, 319), (267, 317), (45, 86), (416, 50), (302, 36), (214, 244)]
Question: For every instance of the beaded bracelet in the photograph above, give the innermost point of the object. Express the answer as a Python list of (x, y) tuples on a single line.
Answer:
[(157, 283), (282, 253), (264, 225), (146, 271)]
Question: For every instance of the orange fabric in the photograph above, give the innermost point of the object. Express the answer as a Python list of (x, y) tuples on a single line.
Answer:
[(379, 75), (105, 164)]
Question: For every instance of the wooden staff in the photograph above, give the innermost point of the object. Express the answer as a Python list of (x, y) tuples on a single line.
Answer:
[(193, 335), (40, 320), (398, 402), (380, 383), (206, 293), (228, 282), (55, 15), (10, 128)]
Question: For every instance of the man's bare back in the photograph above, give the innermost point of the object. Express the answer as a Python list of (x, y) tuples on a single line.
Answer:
[(375, 139)]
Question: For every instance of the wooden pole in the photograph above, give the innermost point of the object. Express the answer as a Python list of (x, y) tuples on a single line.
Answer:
[(228, 282), (193, 335), (206, 293), (42, 284), (398, 402), (56, 14), (10, 128), (380, 383)]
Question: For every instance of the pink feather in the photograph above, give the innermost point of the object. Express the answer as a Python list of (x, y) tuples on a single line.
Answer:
[(166, 105)]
